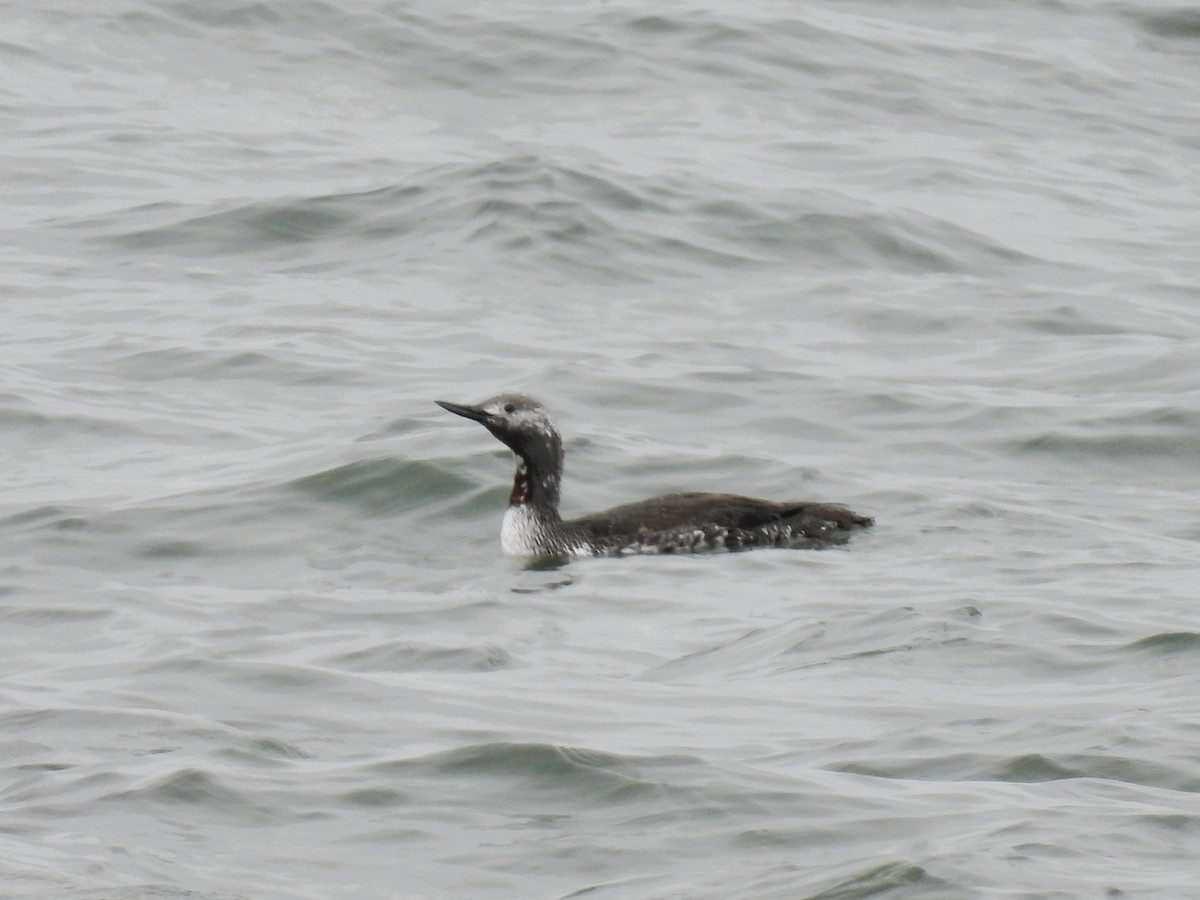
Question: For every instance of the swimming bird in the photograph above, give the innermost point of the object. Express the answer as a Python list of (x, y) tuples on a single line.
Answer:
[(676, 523)]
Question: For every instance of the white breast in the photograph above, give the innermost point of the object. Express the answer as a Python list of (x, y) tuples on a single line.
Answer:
[(519, 533), (523, 533)]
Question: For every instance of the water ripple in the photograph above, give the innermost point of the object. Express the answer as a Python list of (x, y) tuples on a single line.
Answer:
[(558, 216)]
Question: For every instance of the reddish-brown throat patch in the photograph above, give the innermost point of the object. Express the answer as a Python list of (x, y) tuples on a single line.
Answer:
[(520, 491)]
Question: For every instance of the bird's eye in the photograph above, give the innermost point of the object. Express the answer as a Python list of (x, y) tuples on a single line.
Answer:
[(509, 408)]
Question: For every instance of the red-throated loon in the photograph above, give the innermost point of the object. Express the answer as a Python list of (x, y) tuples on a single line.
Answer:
[(676, 523)]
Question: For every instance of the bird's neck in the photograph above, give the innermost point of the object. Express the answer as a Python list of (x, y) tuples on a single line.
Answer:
[(536, 488)]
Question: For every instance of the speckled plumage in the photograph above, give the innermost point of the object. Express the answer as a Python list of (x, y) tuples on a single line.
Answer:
[(675, 523)]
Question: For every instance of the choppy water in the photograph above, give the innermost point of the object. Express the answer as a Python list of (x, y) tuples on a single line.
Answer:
[(938, 263)]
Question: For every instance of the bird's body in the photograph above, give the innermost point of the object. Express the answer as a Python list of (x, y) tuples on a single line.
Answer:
[(675, 523)]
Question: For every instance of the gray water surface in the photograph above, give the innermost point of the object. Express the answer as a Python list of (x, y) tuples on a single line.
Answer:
[(937, 263)]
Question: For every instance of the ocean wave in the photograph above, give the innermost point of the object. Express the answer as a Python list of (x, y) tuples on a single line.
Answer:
[(1031, 768), (410, 656), (381, 486), (549, 769), (1167, 644), (1182, 23), (535, 213), (1148, 451)]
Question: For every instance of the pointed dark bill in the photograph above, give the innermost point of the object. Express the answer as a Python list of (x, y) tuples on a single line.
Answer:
[(467, 412)]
